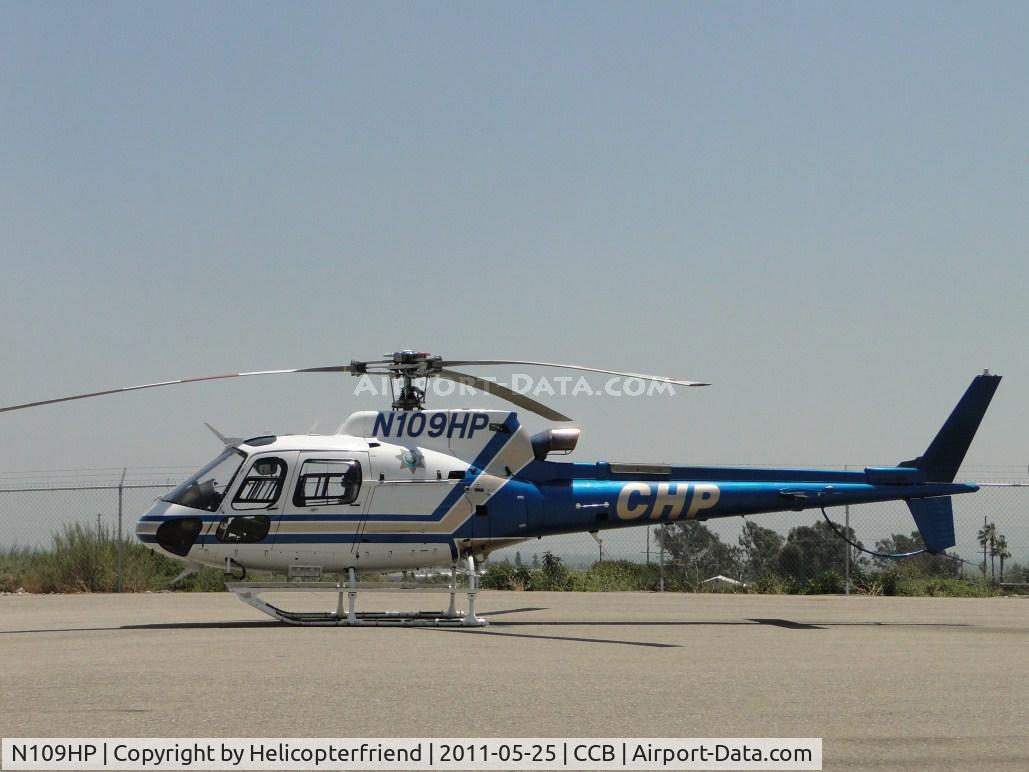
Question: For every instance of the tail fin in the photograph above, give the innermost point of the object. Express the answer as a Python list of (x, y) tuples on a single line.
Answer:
[(945, 453), (935, 516), (935, 520)]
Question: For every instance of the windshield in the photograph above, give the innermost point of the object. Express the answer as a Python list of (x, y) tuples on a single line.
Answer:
[(206, 489)]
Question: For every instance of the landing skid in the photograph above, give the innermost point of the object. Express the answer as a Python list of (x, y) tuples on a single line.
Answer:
[(346, 614)]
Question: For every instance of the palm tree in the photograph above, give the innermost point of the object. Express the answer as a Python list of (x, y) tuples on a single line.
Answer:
[(1001, 548), (993, 553), (987, 536)]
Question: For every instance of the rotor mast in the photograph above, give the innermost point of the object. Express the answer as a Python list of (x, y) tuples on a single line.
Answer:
[(405, 366)]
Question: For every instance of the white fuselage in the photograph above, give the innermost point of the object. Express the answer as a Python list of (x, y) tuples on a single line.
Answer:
[(387, 493)]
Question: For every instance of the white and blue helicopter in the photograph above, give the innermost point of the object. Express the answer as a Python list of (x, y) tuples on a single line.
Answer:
[(414, 488)]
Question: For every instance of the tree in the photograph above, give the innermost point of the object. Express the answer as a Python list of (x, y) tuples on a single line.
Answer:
[(552, 574), (761, 547), (919, 565), (1000, 547), (697, 551), (986, 537), (518, 559), (811, 551)]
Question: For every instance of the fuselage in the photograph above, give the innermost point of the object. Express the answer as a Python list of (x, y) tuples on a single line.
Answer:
[(418, 489)]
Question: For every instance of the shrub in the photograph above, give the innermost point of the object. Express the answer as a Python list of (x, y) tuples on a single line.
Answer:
[(84, 559), (552, 574), (504, 576), (615, 576), (205, 580), (826, 583), (939, 587), (772, 584)]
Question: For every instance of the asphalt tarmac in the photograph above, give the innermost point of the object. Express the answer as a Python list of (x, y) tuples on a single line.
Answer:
[(888, 683)]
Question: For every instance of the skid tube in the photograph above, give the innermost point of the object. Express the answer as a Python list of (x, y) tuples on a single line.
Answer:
[(346, 613)]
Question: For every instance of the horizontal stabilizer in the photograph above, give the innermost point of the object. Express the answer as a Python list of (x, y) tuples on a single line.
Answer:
[(935, 520)]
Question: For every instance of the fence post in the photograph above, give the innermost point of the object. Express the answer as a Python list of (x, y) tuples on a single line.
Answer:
[(846, 549), (846, 546), (661, 564), (121, 541)]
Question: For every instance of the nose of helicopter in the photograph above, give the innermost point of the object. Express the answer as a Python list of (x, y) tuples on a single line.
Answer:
[(162, 531)]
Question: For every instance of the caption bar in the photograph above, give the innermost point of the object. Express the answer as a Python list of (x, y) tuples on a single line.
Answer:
[(484, 753)]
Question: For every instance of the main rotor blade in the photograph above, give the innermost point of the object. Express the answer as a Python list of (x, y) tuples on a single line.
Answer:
[(644, 376), (331, 369), (504, 393)]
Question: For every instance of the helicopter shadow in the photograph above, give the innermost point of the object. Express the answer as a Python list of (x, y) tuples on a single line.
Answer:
[(512, 628), (527, 623), (497, 628)]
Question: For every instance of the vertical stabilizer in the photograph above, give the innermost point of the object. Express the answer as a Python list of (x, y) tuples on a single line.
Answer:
[(943, 457), (935, 521)]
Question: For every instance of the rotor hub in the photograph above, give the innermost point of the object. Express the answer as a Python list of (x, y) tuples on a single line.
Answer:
[(406, 366)]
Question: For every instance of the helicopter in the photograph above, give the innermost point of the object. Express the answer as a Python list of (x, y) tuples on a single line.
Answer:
[(413, 488)]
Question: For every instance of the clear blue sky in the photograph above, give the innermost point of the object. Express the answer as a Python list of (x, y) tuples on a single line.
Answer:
[(820, 208)]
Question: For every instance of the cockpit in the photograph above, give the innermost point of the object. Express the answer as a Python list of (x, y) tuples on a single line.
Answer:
[(247, 494), (206, 489)]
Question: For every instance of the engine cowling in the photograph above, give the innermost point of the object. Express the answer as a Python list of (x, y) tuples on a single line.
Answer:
[(550, 441)]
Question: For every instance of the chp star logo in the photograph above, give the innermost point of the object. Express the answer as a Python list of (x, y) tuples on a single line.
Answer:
[(411, 460)]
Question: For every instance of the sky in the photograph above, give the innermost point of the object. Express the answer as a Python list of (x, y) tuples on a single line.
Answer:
[(818, 208)]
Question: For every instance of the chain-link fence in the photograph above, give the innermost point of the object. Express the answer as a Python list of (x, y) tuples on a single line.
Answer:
[(34, 507)]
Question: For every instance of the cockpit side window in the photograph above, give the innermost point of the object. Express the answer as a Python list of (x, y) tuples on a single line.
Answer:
[(327, 482), (262, 485), (206, 489)]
